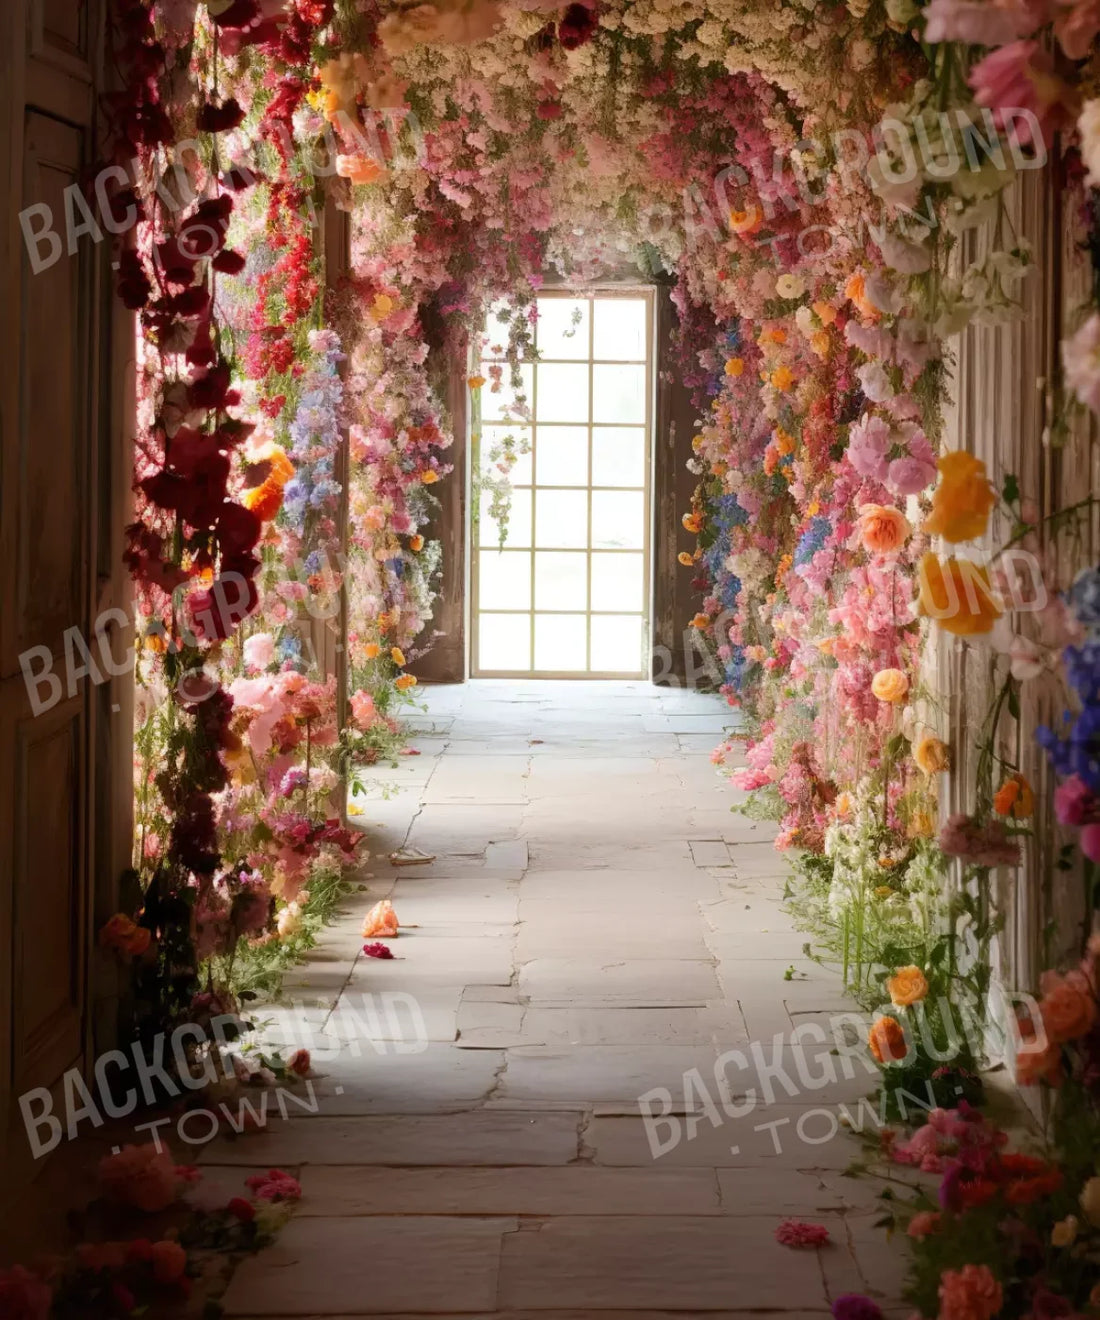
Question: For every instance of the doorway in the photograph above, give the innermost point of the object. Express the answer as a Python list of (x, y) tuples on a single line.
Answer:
[(561, 576)]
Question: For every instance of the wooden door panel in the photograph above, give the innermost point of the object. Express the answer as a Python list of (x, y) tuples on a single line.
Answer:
[(49, 905), (49, 476)]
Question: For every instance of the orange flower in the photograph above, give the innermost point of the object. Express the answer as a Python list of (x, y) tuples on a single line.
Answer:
[(405, 682), (746, 222), (931, 754), (397, 656), (429, 476), (782, 378), (962, 501), (924, 1223), (971, 1293), (824, 312), (381, 920), (1068, 1006), (1014, 798), (693, 522), (371, 650), (735, 366), (359, 169), (126, 937), (381, 307), (882, 529), (700, 621), (416, 543), (887, 1040), (1039, 1066), (907, 986), (685, 558), (957, 595), (264, 500), (856, 291), (843, 805), (890, 685), (475, 382)]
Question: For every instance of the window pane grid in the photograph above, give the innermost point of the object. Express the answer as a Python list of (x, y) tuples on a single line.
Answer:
[(593, 623)]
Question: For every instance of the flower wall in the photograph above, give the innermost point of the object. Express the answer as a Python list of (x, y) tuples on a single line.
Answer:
[(826, 186)]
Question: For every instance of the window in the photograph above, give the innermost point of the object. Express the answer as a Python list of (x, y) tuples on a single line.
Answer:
[(568, 592)]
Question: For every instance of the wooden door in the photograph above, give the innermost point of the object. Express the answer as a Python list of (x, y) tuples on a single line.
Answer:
[(59, 507)]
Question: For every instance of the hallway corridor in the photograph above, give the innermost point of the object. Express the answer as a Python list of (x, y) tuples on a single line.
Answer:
[(596, 925)]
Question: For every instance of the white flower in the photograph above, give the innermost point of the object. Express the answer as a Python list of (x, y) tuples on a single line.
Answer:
[(1081, 360), (789, 286), (1025, 659), (905, 255), (875, 382), (1088, 125)]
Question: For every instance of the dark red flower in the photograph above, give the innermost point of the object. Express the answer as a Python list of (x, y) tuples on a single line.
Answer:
[(220, 609), (220, 118), (578, 26), (211, 389), (229, 262), (240, 14), (241, 1209), (549, 110), (238, 529), (378, 950)]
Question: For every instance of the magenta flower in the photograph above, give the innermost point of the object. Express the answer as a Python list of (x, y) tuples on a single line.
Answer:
[(378, 950), (854, 1306)]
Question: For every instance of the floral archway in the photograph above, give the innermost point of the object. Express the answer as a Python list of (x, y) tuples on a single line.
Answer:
[(827, 187)]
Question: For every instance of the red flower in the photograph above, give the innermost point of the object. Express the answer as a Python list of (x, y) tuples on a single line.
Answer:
[(275, 1185), (578, 26), (229, 262), (220, 118), (241, 1209), (378, 950)]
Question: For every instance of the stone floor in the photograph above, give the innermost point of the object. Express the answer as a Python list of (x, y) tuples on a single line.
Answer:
[(596, 927)]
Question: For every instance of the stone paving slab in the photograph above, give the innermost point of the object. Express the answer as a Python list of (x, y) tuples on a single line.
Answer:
[(590, 1074), (474, 1137), (681, 1262), (580, 982), (363, 1266), (575, 1190)]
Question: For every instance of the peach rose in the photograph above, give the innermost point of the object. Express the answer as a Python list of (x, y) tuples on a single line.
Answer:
[(907, 986), (882, 529), (1043, 1065), (923, 1224), (1068, 1006), (140, 1176), (380, 920), (957, 594), (890, 685), (971, 1293), (962, 502)]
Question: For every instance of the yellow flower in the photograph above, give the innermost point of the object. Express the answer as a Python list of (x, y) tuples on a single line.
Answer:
[(821, 343), (475, 382), (382, 306), (735, 366), (920, 826), (931, 754), (1064, 1232), (685, 558), (890, 685), (1014, 798), (957, 595), (371, 650), (429, 476), (962, 501), (353, 810), (884, 891), (908, 985), (397, 656), (782, 378), (405, 682), (1090, 1201)]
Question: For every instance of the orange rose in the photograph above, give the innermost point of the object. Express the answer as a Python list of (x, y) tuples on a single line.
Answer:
[(906, 987), (890, 685), (405, 682), (359, 169), (397, 656), (957, 595), (962, 502), (887, 1041), (924, 1223), (429, 477), (931, 754), (735, 366), (746, 222), (371, 650), (1014, 798), (971, 1293), (416, 543), (1068, 1005), (882, 529), (692, 522)]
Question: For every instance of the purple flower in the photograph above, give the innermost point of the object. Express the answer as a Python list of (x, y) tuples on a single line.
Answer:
[(854, 1306)]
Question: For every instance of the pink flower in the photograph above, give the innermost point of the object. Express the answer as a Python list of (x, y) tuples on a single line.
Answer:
[(924, 1223), (363, 709), (1077, 26), (799, 1233), (1020, 77), (1090, 842), (1074, 803), (275, 1185), (987, 844), (23, 1295), (977, 22), (259, 651), (140, 1176), (1081, 360), (1025, 659)]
